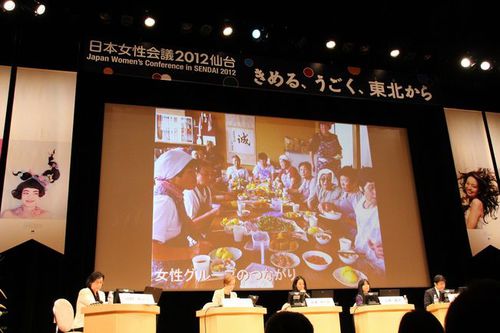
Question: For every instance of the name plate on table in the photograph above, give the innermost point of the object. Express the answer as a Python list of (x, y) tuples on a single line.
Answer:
[(387, 300), (127, 298), (237, 303), (325, 301)]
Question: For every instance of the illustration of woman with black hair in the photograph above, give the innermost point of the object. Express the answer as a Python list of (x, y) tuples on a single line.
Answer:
[(30, 190), (480, 197)]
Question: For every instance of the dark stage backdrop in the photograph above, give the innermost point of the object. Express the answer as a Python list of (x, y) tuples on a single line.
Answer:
[(33, 276)]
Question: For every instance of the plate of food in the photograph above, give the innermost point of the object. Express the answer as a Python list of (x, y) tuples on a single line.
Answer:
[(285, 260), (271, 223), (314, 230), (229, 223), (348, 276), (317, 260), (219, 267), (331, 215), (225, 253)]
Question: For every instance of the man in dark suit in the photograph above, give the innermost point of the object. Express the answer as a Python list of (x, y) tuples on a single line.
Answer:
[(436, 291)]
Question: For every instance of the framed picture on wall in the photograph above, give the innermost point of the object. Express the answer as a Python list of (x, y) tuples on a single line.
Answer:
[(174, 129)]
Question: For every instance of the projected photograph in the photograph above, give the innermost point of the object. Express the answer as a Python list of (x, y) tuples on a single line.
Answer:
[(263, 198), (477, 183)]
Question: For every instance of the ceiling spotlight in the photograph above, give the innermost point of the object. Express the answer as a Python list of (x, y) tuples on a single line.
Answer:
[(485, 65), (186, 27), (465, 62), (149, 22), (256, 33), (105, 17), (227, 31), (364, 49), (39, 8), (330, 44), (9, 5), (205, 30), (395, 53)]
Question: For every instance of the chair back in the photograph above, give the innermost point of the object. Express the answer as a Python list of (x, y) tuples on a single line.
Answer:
[(63, 314)]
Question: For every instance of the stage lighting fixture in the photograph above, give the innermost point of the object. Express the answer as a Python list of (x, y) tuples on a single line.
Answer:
[(330, 44), (39, 8), (149, 22), (206, 30), (186, 27), (256, 33), (466, 62), (395, 53), (485, 65), (9, 5), (364, 49), (227, 31)]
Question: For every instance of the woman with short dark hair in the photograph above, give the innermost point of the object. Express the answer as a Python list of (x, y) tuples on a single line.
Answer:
[(91, 294)]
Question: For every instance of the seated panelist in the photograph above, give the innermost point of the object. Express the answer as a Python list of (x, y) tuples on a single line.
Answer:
[(298, 284), (362, 298), (436, 292), (225, 292), (91, 294)]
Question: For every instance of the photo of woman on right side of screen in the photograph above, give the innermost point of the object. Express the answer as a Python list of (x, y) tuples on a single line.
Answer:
[(479, 197)]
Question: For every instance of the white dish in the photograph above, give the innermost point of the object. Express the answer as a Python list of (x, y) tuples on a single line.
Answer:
[(322, 237), (352, 284), (293, 259), (234, 251), (332, 216), (228, 265), (317, 267), (347, 258)]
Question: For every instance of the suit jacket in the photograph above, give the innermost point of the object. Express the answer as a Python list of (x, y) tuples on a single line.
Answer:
[(85, 298), (429, 296), (219, 296)]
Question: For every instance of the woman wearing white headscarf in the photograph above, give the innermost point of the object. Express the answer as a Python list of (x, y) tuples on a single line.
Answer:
[(325, 194), (174, 172)]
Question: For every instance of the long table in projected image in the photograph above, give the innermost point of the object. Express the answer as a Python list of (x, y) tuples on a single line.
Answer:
[(379, 318), (120, 318), (231, 320), (325, 319), (439, 310), (290, 241)]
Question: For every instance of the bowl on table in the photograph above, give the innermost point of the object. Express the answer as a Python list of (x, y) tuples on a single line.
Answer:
[(317, 260), (322, 237), (348, 257)]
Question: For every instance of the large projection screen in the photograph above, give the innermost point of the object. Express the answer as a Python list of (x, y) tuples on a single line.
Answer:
[(360, 218)]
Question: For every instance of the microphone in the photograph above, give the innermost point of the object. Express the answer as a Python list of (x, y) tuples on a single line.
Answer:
[(305, 293)]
